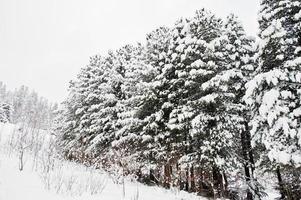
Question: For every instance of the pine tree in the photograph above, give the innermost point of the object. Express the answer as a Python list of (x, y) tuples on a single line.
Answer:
[(147, 111), (157, 44), (274, 93), (5, 112), (129, 137), (89, 111), (175, 107), (185, 69), (101, 98), (3, 92), (239, 55)]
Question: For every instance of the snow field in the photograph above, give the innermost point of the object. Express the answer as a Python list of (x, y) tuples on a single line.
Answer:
[(44, 176)]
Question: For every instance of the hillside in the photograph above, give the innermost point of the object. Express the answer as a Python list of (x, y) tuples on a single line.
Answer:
[(46, 177)]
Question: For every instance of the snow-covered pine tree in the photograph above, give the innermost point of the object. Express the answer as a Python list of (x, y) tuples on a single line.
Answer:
[(215, 108), (18, 98), (129, 142), (89, 111), (157, 43), (102, 111), (210, 140), (5, 112), (237, 61), (3, 92), (5, 109), (72, 111), (274, 93), (31, 112), (185, 68), (26, 107)]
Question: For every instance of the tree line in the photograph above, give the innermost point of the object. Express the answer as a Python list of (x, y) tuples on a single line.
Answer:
[(24, 106), (200, 106)]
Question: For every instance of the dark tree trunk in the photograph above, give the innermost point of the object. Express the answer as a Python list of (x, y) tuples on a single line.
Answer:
[(250, 150), (180, 178), (225, 181), (171, 182), (247, 147), (248, 157), (225, 185), (280, 182), (182, 184), (139, 174), (200, 181), (192, 179), (166, 176), (187, 180), (217, 181), (152, 177)]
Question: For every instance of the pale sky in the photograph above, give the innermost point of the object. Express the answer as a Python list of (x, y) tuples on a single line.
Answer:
[(44, 43)]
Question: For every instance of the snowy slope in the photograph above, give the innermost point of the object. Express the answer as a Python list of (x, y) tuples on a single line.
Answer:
[(46, 177), (16, 185), (27, 185), (49, 179)]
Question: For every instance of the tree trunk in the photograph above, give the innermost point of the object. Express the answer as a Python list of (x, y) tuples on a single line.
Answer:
[(217, 181), (180, 178), (152, 177), (166, 176), (246, 158), (225, 185), (21, 163), (246, 140), (200, 181), (182, 184), (192, 179), (225, 181), (187, 180), (280, 182), (171, 182)]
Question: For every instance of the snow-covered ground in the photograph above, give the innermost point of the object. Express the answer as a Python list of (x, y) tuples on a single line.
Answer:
[(45, 177), (28, 185)]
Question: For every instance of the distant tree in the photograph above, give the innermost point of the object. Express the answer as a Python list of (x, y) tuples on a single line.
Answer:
[(27, 107), (5, 112)]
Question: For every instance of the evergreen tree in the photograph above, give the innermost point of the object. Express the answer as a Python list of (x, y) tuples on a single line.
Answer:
[(238, 60), (5, 112), (89, 111), (186, 67), (134, 89), (274, 93), (173, 109)]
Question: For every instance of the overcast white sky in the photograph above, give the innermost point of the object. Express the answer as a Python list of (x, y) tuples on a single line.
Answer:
[(44, 43)]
